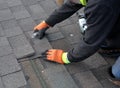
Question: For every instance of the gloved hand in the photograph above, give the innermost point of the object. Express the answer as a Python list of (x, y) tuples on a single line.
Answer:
[(57, 55), (39, 30)]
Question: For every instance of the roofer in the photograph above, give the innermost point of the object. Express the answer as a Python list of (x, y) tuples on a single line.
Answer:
[(103, 31)]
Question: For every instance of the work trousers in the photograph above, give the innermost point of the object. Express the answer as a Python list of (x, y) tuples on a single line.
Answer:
[(116, 68)]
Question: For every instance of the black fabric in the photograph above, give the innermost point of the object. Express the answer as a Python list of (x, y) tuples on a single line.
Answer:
[(102, 17), (65, 11)]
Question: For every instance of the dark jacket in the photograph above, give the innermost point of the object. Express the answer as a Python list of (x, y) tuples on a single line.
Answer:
[(103, 19)]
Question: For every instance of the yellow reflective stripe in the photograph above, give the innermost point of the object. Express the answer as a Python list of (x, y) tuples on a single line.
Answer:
[(64, 58), (83, 2)]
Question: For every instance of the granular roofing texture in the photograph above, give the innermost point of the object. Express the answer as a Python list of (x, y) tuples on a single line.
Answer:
[(17, 20)]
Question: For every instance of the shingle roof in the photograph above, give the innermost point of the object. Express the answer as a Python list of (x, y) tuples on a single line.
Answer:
[(17, 19)]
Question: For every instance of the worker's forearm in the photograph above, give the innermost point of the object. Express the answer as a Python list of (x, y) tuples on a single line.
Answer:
[(65, 11)]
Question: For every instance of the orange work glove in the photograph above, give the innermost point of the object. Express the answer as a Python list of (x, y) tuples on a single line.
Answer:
[(39, 30), (57, 55), (41, 26)]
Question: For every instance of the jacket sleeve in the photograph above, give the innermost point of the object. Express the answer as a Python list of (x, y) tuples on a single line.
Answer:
[(100, 21), (62, 13)]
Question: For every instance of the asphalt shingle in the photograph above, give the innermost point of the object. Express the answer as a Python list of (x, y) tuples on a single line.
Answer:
[(23, 52), (17, 20), (27, 24), (20, 12), (41, 46), (95, 61), (70, 29), (1, 31), (52, 30), (13, 31), (13, 2), (74, 39), (29, 2), (3, 4), (8, 64), (52, 5), (3, 41), (9, 24), (55, 36), (18, 41), (74, 68), (21, 46), (58, 77), (65, 23), (37, 12), (5, 14), (5, 50), (107, 84), (1, 83), (87, 80), (15, 80)]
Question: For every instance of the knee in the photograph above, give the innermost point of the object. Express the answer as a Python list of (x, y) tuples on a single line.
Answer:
[(116, 69), (116, 73)]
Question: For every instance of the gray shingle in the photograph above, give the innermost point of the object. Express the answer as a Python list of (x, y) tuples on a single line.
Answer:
[(18, 41), (77, 67), (3, 41), (29, 2), (48, 7), (3, 4), (13, 31), (5, 14), (1, 31), (8, 64), (14, 80), (5, 50), (58, 77), (41, 45), (20, 12), (74, 39), (24, 51), (9, 24), (37, 12), (95, 61), (74, 19), (70, 29), (55, 36), (13, 2), (27, 24), (64, 23), (21, 46), (1, 83), (30, 72), (87, 80), (102, 73), (110, 60), (107, 84), (52, 30)]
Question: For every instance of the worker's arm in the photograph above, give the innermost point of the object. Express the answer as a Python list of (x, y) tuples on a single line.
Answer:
[(100, 21), (65, 11), (62, 13)]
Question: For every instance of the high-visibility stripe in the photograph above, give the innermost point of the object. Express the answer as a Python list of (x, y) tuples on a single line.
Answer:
[(83, 2), (64, 58)]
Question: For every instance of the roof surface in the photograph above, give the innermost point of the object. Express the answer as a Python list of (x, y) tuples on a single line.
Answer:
[(17, 19)]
